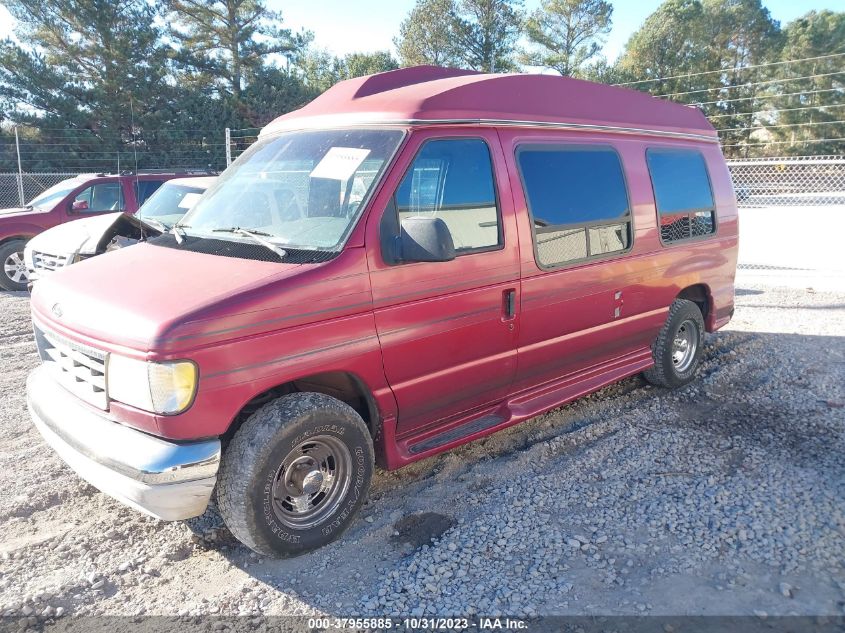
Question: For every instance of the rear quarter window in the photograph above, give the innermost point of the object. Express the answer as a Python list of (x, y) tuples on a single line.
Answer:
[(682, 193)]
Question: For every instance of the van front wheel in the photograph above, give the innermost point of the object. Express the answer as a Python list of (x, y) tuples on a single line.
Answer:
[(295, 474), (677, 349)]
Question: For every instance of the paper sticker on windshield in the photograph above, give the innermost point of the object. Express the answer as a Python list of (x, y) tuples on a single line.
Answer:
[(189, 200), (340, 163)]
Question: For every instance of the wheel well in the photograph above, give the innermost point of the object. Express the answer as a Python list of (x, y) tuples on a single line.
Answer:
[(11, 238), (700, 295), (344, 386)]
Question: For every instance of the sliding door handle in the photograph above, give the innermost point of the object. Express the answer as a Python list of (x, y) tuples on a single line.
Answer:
[(509, 303)]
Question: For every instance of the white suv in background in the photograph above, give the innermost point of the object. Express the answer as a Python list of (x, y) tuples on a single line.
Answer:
[(71, 242)]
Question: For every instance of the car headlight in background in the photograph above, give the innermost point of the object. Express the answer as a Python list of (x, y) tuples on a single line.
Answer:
[(165, 388)]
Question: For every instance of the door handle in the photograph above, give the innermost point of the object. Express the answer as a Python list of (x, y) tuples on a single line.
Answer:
[(509, 303)]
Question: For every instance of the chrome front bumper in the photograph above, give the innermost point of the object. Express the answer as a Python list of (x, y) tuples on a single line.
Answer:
[(170, 481)]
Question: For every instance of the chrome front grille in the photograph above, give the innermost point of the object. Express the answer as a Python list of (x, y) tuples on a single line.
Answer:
[(49, 262), (79, 368)]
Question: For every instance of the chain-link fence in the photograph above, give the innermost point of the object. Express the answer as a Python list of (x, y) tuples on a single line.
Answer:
[(18, 189), (758, 182), (792, 181), (237, 141)]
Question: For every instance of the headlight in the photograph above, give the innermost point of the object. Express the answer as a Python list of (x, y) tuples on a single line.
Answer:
[(165, 388)]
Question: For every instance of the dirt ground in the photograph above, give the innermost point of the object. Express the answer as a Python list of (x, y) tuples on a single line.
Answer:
[(726, 497)]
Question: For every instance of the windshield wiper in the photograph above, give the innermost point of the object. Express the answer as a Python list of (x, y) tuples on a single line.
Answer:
[(257, 237), (161, 226), (178, 231)]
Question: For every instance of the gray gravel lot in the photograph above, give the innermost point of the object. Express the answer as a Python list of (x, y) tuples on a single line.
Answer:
[(727, 497)]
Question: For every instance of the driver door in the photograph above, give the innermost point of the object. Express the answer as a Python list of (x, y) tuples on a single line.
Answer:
[(448, 329)]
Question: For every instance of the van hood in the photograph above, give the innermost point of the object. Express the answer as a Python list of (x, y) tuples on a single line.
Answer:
[(85, 236), (137, 297)]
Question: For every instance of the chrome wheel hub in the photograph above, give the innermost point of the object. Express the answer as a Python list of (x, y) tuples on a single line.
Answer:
[(15, 268), (685, 345), (304, 476), (311, 482)]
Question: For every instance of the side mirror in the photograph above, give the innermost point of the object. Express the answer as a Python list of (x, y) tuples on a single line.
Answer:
[(79, 205), (425, 240)]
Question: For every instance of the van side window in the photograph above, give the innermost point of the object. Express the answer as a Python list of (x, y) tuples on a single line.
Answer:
[(578, 201), (452, 179), (682, 192)]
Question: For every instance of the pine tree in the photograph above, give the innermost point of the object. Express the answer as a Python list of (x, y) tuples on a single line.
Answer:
[(486, 33), (427, 35), (227, 41), (566, 34), (84, 66)]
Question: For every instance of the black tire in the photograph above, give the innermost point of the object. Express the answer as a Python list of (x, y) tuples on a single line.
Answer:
[(257, 472), (673, 366), (10, 253)]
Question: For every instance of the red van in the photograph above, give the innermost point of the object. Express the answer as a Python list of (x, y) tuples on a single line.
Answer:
[(414, 260)]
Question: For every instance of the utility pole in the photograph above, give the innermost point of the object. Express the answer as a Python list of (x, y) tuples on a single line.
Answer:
[(20, 171), (228, 147)]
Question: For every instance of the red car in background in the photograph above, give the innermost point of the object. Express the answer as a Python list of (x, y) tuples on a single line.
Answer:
[(78, 197)]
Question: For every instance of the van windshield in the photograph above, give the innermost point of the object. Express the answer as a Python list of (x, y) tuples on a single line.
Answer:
[(300, 190)]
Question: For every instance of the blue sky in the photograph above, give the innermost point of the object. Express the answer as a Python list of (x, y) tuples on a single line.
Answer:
[(347, 26)]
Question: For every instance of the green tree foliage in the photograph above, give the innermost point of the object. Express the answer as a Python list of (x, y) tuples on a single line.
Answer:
[(601, 71), (80, 73), (486, 33), (273, 91), (78, 62), (811, 114), (360, 64), (699, 49), (740, 33), (667, 44), (227, 41), (320, 70), (566, 34), (427, 35), (77, 73)]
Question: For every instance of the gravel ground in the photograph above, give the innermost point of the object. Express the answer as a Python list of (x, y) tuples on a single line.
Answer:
[(726, 497)]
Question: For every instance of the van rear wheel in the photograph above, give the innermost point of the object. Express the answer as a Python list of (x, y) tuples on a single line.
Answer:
[(677, 348), (295, 474)]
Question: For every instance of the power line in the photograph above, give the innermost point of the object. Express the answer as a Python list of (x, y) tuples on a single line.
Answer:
[(817, 140), (768, 127), (729, 70), (790, 94), (775, 111), (749, 85)]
